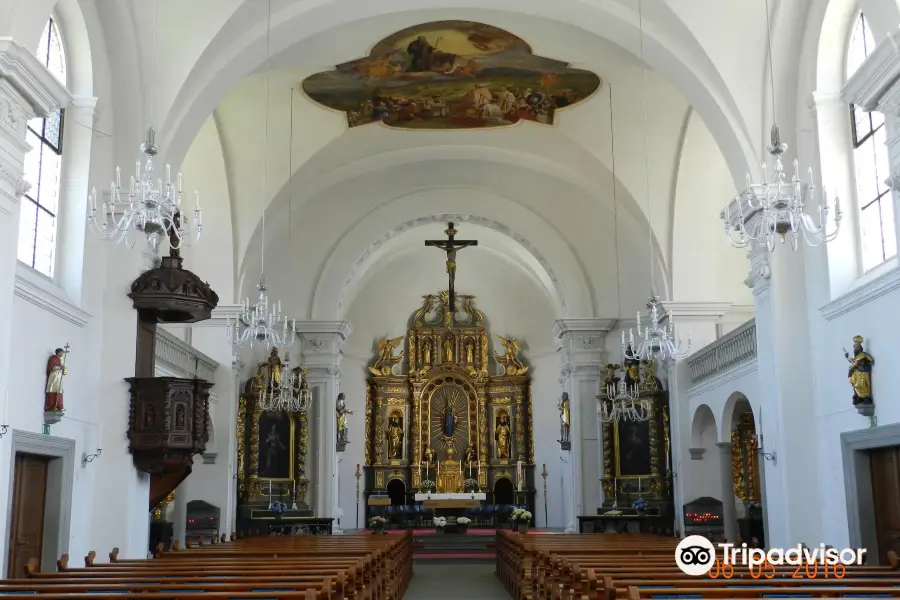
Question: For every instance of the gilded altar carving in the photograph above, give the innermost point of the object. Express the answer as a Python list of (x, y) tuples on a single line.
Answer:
[(745, 459), (636, 454), (272, 446), (445, 402)]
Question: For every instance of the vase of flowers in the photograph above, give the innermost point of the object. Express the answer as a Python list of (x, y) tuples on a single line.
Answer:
[(462, 524), (640, 505), (520, 518), (470, 485), (427, 486), (278, 508), (377, 524), (439, 524)]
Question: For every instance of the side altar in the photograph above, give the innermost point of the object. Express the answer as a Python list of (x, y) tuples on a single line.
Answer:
[(437, 420), (272, 448)]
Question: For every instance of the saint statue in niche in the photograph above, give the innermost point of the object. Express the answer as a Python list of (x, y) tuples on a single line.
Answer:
[(448, 350), (502, 436), (395, 437), (448, 421)]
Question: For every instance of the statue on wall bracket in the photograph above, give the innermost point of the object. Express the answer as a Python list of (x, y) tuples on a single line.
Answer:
[(565, 417), (860, 376), (343, 431), (53, 390)]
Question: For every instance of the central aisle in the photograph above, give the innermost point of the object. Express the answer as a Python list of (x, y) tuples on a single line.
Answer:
[(456, 580)]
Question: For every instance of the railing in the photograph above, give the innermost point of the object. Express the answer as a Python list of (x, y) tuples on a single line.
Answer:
[(732, 349), (181, 358)]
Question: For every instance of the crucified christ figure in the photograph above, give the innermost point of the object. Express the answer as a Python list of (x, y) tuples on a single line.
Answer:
[(450, 246)]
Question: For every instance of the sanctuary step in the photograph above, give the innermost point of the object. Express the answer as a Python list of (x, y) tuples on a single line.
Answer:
[(462, 546)]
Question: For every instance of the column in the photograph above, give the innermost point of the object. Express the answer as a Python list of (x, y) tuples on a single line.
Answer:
[(700, 321), (580, 345), (729, 512), (321, 347), (214, 481), (27, 90), (179, 513)]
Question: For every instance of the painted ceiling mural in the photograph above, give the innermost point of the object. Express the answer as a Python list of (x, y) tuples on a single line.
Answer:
[(451, 75)]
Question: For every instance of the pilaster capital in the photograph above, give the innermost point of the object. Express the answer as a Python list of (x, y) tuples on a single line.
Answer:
[(28, 89), (874, 85), (760, 270), (581, 342), (322, 342), (724, 448)]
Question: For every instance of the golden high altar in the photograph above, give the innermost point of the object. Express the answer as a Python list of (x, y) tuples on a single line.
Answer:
[(437, 419)]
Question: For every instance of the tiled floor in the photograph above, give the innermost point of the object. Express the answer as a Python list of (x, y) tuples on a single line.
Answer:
[(457, 580)]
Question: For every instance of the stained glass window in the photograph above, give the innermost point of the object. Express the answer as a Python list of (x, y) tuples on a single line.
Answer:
[(870, 160), (43, 165)]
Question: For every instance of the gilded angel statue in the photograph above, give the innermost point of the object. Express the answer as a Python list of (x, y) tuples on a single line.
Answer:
[(511, 363), (386, 360)]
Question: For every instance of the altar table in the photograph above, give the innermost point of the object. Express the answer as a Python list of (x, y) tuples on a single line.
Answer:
[(458, 496), (458, 500)]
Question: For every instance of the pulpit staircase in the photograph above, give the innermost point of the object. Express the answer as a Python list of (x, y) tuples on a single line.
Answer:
[(163, 484)]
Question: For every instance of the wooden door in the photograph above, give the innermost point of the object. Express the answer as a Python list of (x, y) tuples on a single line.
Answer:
[(885, 466), (29, 495)]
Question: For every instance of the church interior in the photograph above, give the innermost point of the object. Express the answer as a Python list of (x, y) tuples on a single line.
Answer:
[(409, 299)]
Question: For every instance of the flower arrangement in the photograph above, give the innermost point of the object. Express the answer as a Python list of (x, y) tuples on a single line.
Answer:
[(640, 505), (278, 508), (377, 523), (427, 484), (520, 515), (440, 522), (464, 521), (471, 484), (612, 513)]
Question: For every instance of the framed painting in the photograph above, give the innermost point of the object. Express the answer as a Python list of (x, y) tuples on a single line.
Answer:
[(276, 446), (633, 449)]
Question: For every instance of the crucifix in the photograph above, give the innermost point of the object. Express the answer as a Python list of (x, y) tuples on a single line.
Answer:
[(450, 246)]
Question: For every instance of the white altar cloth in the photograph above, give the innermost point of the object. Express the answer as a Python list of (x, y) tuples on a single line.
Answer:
[(461, 496)]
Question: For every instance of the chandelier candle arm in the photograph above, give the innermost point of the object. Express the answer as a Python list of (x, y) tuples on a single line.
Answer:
[(655, 342), (148, 206)]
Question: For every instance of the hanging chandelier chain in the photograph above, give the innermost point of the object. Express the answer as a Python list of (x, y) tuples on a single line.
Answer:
[(646, 147), (771, 69), (262, 321)]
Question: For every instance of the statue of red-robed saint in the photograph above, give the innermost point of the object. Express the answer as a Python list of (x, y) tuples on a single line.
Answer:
[(56, 370)]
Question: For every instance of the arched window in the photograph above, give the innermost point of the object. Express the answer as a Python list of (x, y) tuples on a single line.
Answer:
[(43, 165), (870, 159)]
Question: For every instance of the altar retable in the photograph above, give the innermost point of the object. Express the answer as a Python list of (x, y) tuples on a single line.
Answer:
[(441, 419)]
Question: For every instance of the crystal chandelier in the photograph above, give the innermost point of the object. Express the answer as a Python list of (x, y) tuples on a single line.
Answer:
[(775, 209), (291, 394), (149, 206), (622, 402), (262, 323), (656, 342)]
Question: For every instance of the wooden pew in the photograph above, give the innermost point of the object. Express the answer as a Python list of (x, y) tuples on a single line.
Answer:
[(320, 568)]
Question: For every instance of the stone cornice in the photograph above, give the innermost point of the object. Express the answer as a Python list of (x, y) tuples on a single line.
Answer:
[(876, 76), (862, 295), (696, 310), (219, 318), (31, 79), (46, 295), (342, 329), (582, 327)]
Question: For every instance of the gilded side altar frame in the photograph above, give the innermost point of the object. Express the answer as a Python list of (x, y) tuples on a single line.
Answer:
[(658, 480)]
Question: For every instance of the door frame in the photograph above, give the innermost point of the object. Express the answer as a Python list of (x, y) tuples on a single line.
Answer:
[(858, 481), (58, 502)]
